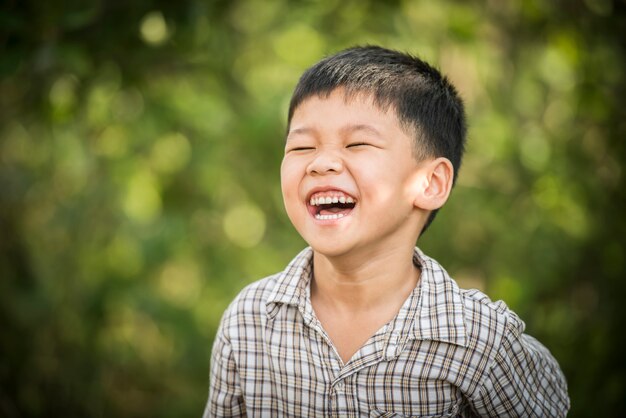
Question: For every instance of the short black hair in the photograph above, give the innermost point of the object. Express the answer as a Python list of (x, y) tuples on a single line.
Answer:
[(426, 103)]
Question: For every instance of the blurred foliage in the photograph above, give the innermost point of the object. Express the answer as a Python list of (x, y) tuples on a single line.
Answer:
[(140, 145)]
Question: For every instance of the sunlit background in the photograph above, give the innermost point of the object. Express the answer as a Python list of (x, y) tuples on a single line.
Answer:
[(140, 145)]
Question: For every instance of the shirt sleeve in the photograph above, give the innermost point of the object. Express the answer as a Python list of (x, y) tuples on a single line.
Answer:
[(225, 395), (524, 380)]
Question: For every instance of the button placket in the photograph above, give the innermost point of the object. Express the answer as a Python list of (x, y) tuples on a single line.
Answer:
[(338, 396)]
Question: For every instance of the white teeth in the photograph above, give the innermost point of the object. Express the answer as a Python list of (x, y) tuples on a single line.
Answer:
[(327, 200), (328, 217)]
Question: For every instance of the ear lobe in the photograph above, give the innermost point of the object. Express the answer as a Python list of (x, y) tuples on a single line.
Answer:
[(436, 184)]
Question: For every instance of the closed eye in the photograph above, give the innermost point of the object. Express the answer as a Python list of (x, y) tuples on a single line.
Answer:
[(300, 149), (357, 144)]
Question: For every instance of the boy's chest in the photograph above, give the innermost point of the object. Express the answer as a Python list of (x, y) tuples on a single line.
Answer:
[(348, 335), (303, 376)]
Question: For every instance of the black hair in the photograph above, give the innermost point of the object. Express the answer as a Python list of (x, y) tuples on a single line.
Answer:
[(427, 105)]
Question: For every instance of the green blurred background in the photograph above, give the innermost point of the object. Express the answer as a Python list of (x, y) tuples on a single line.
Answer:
[(140, 145)]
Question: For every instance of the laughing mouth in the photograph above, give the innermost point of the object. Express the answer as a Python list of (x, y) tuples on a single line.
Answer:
[(331, 205)]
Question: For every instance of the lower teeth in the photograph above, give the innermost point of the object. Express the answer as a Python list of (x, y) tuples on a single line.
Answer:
[(326, 217)]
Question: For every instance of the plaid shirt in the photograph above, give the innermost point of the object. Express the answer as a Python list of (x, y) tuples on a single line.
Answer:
[(448, 352)]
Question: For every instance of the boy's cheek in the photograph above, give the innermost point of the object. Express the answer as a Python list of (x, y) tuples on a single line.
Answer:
[(289, 181), (290, 197), (286, 172)]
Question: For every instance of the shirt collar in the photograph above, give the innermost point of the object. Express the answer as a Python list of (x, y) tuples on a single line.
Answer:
[(438, 312), (292, 283), (440, 306)]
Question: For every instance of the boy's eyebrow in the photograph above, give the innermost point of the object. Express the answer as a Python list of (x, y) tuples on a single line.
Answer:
[(345, 130), (299, 131), (361, 127)]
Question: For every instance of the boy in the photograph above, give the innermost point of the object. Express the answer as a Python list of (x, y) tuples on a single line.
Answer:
[(362, 323)]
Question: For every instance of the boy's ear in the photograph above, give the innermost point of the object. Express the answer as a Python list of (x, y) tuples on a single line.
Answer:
[(435, 184)]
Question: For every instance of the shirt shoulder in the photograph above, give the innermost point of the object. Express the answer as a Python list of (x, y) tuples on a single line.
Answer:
[(522, 378), (470, 315), (250, 301), (249, 311), (480, 311), (488, 323), (476, 326)]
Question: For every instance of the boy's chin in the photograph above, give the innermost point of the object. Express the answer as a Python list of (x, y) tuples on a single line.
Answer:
[(331, 249), (335, 249)]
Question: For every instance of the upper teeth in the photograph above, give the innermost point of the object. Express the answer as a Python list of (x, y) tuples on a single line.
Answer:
[(327, 200)]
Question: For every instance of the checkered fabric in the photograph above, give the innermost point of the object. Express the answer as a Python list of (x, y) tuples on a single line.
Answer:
[(448, 352)]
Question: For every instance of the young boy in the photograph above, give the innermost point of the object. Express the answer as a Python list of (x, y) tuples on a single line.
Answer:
[(362, 323)]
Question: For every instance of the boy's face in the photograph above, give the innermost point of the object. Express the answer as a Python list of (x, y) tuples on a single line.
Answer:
[(347, 176)]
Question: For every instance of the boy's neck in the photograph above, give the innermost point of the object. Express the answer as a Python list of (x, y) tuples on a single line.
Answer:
[(353, 284)]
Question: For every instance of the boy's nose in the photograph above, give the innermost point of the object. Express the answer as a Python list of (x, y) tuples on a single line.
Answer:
[(325, 163)]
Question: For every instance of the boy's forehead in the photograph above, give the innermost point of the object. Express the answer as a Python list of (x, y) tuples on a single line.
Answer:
[(351, 98), (355, 98)]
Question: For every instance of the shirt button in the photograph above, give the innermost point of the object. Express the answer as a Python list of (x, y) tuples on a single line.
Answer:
[(339, 386)]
